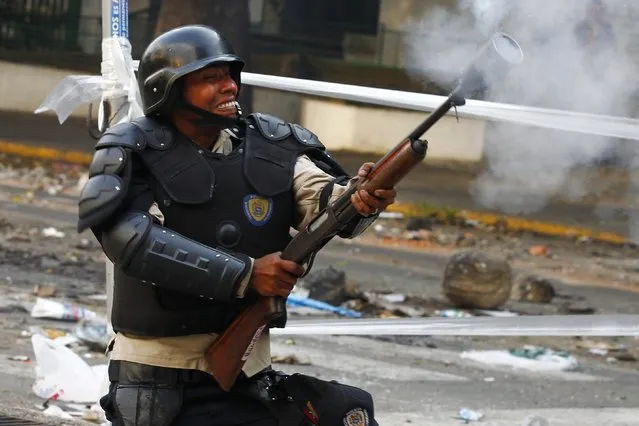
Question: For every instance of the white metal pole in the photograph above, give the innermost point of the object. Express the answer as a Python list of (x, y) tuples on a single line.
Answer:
[(115, 25)]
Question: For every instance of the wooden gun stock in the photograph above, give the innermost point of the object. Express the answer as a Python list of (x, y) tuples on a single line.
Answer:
[(227, 355)]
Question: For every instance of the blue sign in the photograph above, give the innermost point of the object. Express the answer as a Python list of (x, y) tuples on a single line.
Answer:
[(119, 18)]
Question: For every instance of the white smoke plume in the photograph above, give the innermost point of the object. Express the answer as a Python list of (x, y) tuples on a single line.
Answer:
[(566, 66)]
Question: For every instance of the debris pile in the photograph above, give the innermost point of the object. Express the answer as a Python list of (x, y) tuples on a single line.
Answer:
[(528, 357), (327, 285), (64, 322), (610, 351), (68, 342), (40, 178), (476, 280), (473, 285), (535, 289)]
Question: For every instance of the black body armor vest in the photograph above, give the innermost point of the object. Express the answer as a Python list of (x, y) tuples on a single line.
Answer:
[(241, 202)]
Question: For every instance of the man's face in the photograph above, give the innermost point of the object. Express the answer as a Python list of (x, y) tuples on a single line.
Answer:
[(212, 89)]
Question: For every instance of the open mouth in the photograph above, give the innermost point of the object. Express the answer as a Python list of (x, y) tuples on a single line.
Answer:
[(227, 107)]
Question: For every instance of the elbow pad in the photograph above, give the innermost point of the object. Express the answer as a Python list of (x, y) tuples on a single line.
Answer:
[(161, 257)]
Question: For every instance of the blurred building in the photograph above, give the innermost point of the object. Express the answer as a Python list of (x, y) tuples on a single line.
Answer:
[(367, 33), (363, 42)]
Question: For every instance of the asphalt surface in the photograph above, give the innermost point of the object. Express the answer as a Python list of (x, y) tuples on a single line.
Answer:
[(430, 386), (428, 184), (425, 383)]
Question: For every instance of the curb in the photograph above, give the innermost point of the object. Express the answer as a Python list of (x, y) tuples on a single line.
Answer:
[(508, 223), (42, 153)]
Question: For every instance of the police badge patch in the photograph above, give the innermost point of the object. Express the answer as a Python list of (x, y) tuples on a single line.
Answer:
[(258, 210), (356, 417)]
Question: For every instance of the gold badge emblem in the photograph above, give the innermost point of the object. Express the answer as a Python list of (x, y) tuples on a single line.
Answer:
[(356, 417), (258, 210)]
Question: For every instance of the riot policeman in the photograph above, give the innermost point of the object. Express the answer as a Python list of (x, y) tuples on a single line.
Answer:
[(193, 204)]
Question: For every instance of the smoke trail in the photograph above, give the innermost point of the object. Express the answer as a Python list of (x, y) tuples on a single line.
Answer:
[(571, 62), (488, 14)]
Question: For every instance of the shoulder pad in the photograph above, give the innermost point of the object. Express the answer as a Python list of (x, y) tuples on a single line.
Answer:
[(326, 162), (99, 199), (156, 135), (109, 175), (271, 127), (127, 135), (306, 137), (137, 135), (108, 161), (276, 129)]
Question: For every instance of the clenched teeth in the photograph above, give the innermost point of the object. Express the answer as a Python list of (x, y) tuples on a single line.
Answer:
[(227, 105)]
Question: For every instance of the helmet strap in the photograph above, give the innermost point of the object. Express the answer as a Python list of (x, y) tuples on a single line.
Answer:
[(207, 118)]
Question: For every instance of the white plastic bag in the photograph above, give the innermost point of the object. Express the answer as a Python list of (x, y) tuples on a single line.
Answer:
[(548, 362), (63, 375), (70, 93), (52, 309)]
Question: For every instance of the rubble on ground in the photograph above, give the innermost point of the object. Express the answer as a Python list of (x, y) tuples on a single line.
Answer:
[(533, 294), (475, 279), (528, 357), (64, 348), (44, 177), (534, 289), (327, 285), (288, 359), (581, 257), (53, 264)]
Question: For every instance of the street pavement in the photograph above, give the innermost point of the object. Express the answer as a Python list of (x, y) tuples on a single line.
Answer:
[(420, 384), (428, 386)]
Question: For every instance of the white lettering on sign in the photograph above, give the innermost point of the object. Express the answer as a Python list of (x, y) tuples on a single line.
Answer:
[(115, 18), (115, 26)]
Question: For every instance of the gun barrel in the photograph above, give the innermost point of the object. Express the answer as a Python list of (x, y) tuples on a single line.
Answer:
[(490, 64), (394, 167)]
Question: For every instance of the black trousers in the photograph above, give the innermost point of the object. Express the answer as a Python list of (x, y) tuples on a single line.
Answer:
[(143, 395)]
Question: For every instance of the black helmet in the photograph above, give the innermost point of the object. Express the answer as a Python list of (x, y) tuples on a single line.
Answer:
[(177, 53)]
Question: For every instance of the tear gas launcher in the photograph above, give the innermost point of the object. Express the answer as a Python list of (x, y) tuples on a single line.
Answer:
[(228, 353)]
